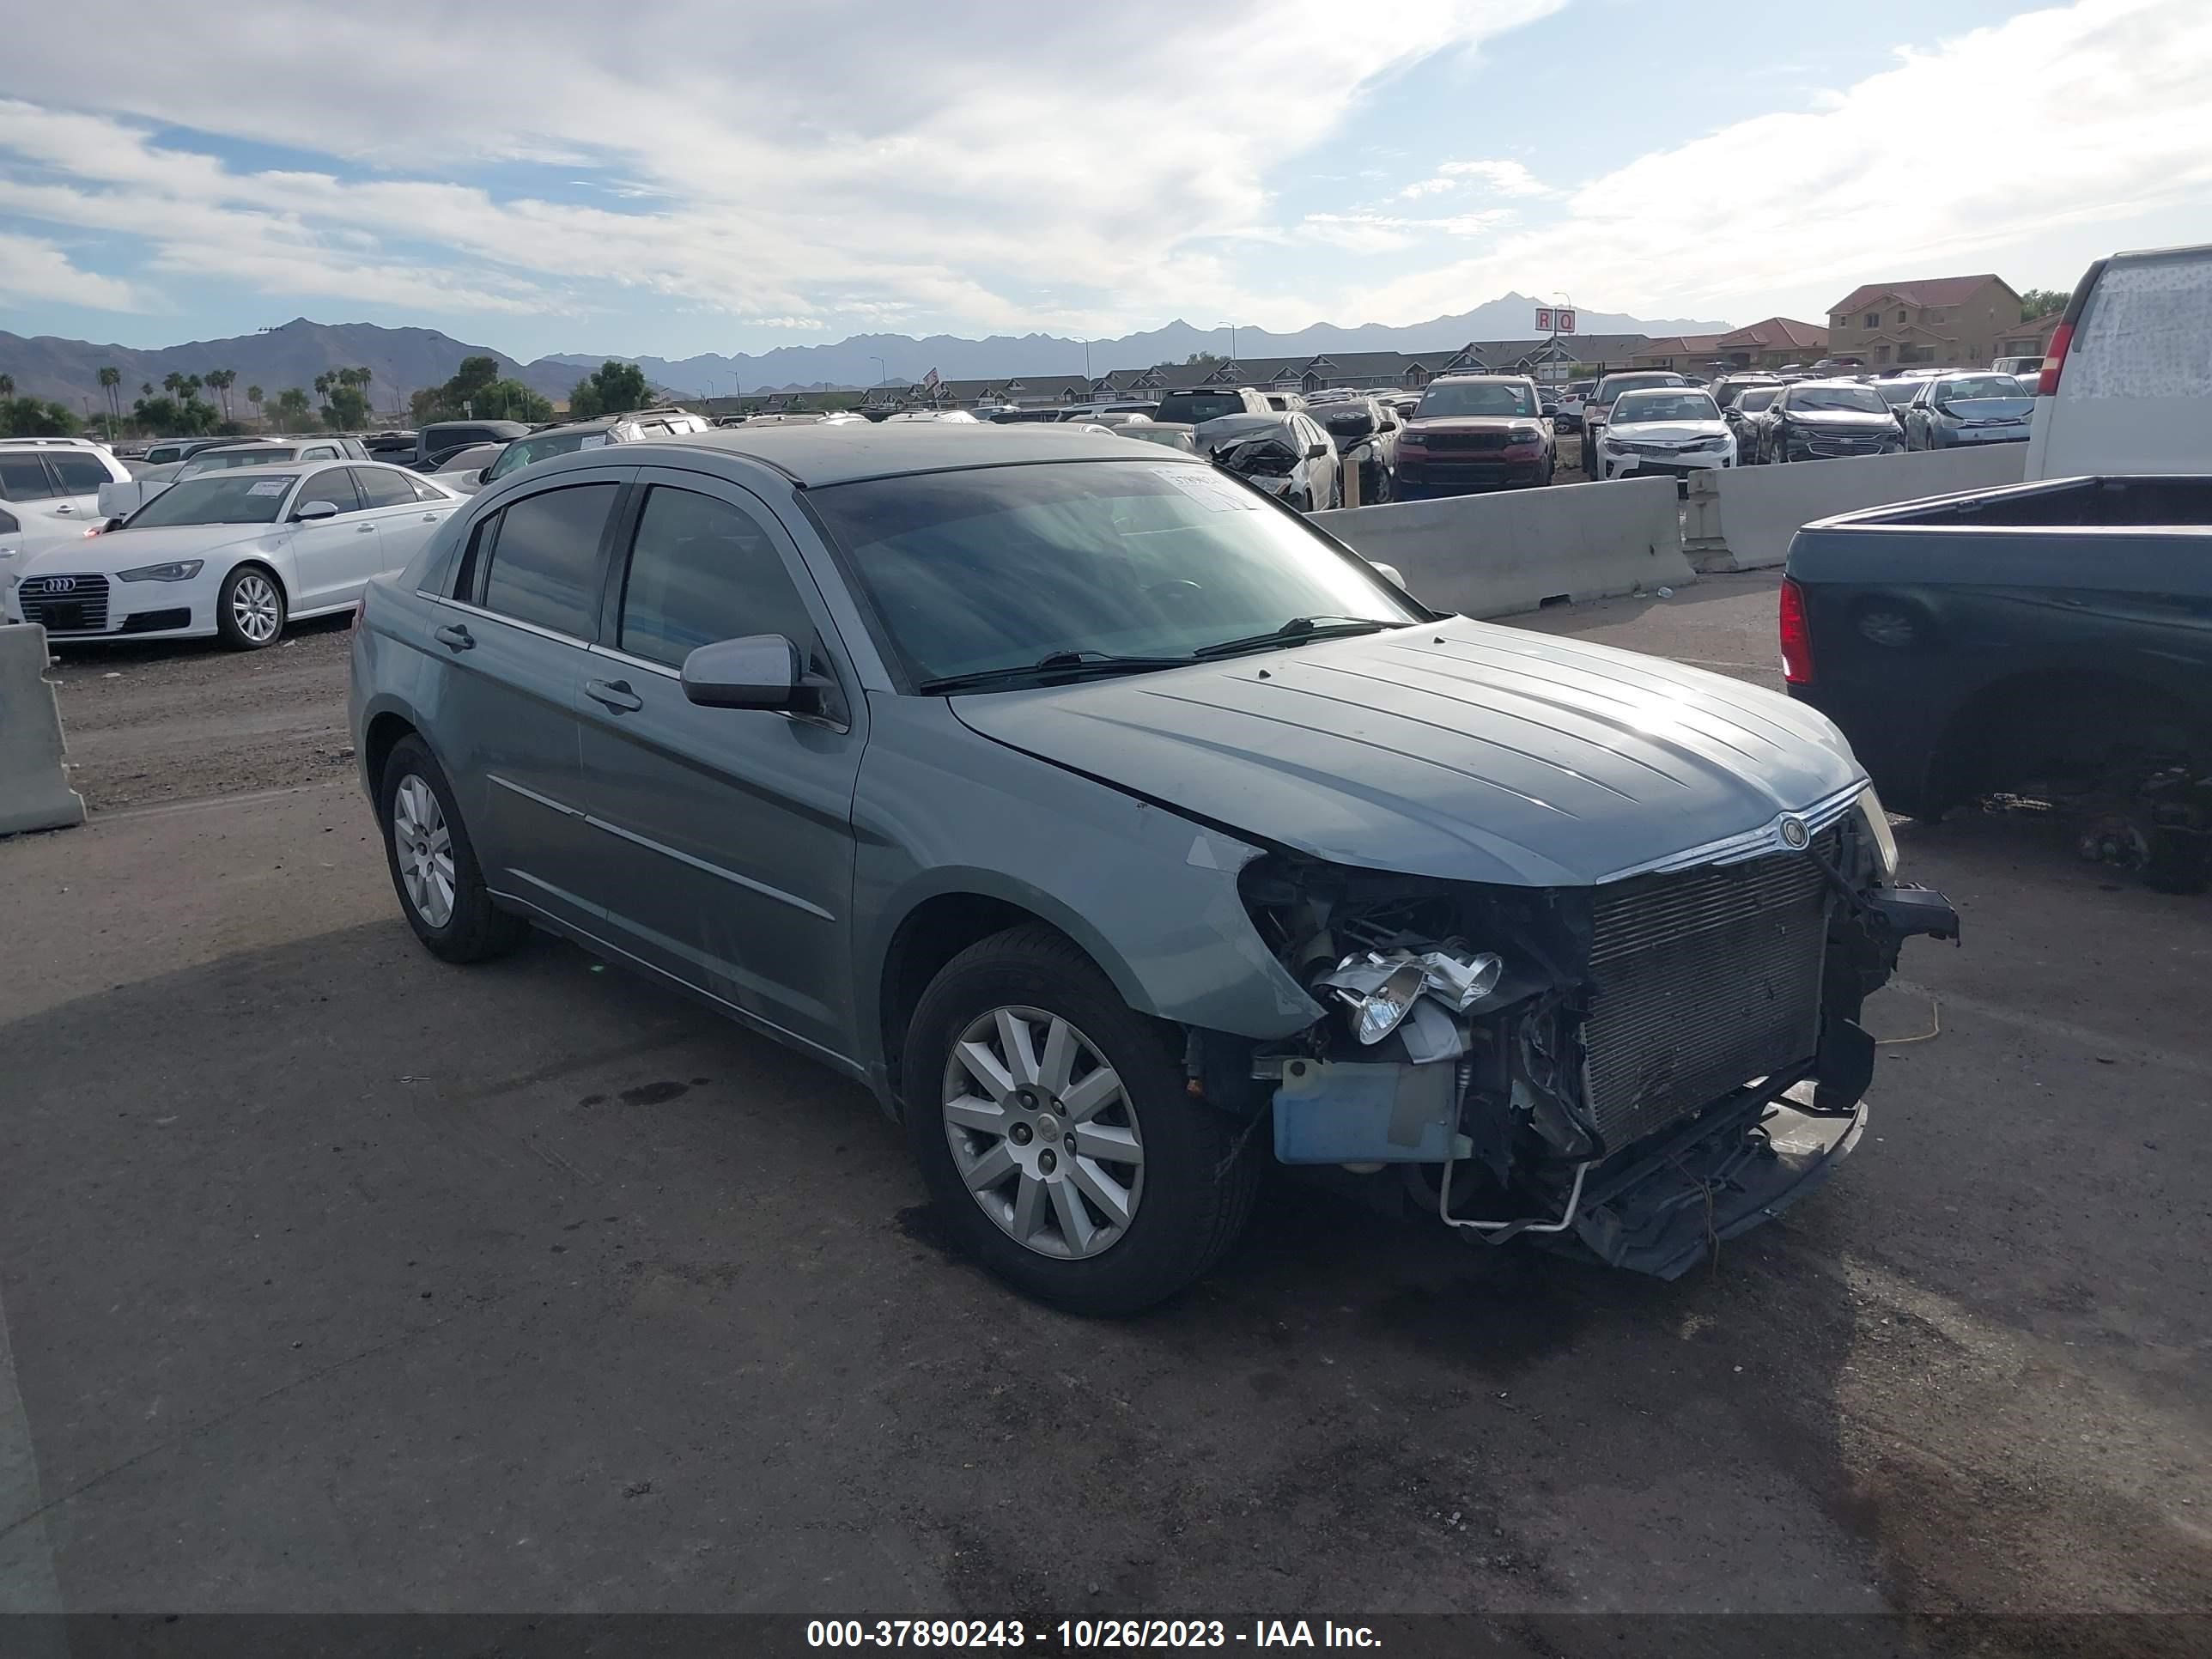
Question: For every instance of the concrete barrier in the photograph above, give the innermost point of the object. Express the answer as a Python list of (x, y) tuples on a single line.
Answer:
[(1742, 518), (1509, 551), (34, 792)]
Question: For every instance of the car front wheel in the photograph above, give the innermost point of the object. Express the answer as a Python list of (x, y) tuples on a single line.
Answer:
[(249, 609), (434, 865), (1054, 1127)]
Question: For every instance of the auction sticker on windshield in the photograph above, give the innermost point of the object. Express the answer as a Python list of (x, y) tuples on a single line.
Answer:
[(268, 486), (1209, 488)]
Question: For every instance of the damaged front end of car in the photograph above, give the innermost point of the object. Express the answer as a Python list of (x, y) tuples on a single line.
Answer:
[(1635, 1069)]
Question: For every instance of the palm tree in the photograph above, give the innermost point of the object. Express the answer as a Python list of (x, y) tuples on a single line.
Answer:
[(7, 386), (322, 388), (253, 397), (363, 377), (221, 379), (145, 388), (110, 378)]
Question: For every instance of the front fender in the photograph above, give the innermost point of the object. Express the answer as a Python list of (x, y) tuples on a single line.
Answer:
[(1152, 895)]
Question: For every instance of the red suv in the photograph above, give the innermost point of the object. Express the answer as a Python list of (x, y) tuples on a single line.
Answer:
[(1473, 432)]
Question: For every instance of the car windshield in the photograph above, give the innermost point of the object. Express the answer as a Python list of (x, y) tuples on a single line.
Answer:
[(223, 498), (1613, 385), (1895, 392), (1664, 406), (1967, 387), (1003, 567), (523, 451), (1503, 398), (221, 461), (1848, 400), (1171, 437), (1195, 406), (1752, 398)]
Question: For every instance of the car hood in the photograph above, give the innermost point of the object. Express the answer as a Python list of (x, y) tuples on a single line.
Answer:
[(1842, 420), (1470, 423), (1456, 749), (1667, 431), (1988, 408), (127, 549)]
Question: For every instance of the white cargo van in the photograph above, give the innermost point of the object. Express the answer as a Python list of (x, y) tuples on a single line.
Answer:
[(2127, 385)]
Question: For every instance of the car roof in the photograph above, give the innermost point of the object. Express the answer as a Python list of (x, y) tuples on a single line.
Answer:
[(813, 456), (1509, 379)]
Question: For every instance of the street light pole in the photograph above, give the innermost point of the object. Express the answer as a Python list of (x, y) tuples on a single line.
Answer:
[(882, 373)]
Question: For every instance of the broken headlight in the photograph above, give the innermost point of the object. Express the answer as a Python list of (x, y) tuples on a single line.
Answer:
[(1878, 831), (1381, 987)]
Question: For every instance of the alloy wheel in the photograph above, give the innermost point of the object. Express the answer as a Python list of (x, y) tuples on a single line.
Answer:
[(1043, 1134), (422, 842), (253, 607)]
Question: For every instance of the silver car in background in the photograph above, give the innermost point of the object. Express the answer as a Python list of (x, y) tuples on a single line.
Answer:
[(1120, 830)]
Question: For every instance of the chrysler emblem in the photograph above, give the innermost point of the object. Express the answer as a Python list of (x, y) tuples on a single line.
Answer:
[(1794, 833)]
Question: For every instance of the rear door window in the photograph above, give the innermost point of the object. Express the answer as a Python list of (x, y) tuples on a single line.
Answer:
[(80, 475), (23, 478), (545, 558), (703, 570), (381, 489)]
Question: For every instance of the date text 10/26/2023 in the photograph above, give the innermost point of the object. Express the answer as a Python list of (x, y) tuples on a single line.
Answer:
[(1086, 1635)]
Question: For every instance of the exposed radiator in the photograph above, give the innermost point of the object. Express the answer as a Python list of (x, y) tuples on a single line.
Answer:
[(1705, 979)]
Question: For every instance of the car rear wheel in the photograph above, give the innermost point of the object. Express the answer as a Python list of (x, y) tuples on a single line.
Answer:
[(1053, 1126), (433, 864), (249, 609)]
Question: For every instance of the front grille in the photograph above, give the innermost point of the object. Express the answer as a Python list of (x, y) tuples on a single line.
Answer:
[(1467, 441), (1703, 979), (65, 605)]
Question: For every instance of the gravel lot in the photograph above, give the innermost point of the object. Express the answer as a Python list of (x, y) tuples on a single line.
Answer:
[(340, 1279)]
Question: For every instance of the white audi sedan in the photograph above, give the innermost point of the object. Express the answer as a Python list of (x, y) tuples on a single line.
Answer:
[(234, 554)]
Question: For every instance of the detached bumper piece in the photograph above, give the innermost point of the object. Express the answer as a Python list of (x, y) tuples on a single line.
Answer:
[(1666, 1207)]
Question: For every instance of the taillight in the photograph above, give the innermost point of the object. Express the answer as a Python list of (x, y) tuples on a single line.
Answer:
[(2054, 360), (1796, 637)]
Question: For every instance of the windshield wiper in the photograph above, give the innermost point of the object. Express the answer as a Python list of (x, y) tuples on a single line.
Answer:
[(1297, 631), (1058, 665)]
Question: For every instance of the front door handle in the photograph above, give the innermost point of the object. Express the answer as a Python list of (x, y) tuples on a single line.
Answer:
[(454, 636), (66, 508), (615, 694), (364, 530), (430, 517)]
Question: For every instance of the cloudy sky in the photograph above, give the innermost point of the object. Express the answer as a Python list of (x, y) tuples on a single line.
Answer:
[(677, 178)]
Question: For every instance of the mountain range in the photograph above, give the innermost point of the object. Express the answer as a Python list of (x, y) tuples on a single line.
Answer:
[(401, 360)]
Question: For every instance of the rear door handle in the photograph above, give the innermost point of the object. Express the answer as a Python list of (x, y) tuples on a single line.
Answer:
[(615, 694), (454, 635)]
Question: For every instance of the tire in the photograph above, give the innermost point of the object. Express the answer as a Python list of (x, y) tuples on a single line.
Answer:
[(1185, 1201), (415, 804), (250, 612)]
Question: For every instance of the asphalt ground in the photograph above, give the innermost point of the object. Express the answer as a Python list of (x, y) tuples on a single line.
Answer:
[(336, 1279)]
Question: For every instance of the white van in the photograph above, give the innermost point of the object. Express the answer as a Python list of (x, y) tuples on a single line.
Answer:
[(2127, 385)]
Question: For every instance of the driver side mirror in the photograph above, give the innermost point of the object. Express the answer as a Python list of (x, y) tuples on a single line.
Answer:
[(483, 475), (1316, 452), (1550, 410), (310, 511)]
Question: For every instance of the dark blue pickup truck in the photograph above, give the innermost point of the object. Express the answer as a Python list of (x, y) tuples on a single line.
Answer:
[(2049, 640)]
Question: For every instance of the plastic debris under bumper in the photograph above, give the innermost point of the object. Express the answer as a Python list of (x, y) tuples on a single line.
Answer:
[(1665, 1209)]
